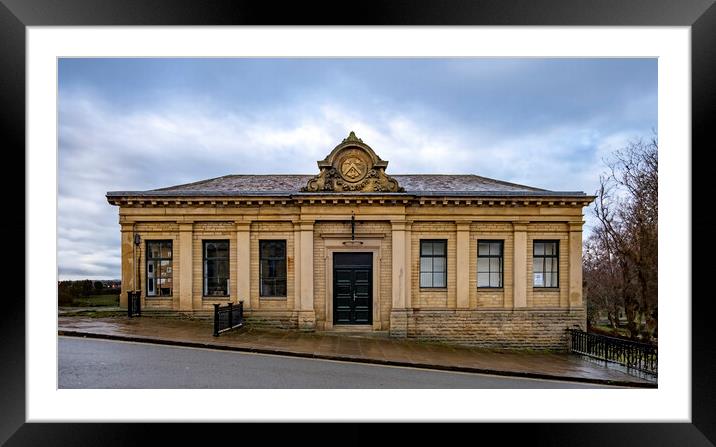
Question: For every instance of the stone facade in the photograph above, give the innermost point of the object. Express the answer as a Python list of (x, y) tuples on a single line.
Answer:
[(385, 220)]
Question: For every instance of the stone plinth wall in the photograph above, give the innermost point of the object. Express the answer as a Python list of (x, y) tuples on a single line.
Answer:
[(502, 329), (275, 320)]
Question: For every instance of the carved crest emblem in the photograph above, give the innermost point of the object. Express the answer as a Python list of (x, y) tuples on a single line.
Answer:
[(352, 166)]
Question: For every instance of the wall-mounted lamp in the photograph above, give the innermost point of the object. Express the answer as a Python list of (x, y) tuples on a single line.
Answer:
[(136, 239)]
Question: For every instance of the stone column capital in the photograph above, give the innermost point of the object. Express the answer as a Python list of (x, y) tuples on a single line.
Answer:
[(463, 225), (242, 226), (304, 225), (575, 226), (520, 225), (399, 225), (186, 226)]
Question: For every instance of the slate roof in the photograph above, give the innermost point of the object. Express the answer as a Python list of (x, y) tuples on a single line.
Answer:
[(289, 185)]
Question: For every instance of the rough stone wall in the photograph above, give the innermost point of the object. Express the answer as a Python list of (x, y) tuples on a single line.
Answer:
[(271, 319), (503, 329)]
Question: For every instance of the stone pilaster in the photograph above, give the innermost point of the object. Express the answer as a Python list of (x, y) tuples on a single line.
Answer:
[(575, 264), (463, 265), (243, 263), (408, 265), (307, 314), (519, 265), (398, 321), (186, 265), (297, 266), (128, 260)]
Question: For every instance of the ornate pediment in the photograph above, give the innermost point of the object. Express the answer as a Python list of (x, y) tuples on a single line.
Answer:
[(352, 166)]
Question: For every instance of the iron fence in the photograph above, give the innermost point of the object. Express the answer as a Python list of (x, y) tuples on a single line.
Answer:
[(134, 304), (227, 318), (634, 355)]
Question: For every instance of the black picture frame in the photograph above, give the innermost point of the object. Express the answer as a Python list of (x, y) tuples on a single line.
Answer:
[(700, 15)]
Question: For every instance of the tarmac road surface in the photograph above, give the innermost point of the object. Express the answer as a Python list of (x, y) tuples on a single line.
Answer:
[(93, 363)]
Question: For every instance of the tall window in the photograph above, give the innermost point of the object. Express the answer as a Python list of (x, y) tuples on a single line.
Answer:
[(216, 268), (159, 268), (489, 263), (545, 264), (433, 263), (272, 268)]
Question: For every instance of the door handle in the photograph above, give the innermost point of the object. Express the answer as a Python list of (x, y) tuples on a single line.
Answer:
[(354, 296)]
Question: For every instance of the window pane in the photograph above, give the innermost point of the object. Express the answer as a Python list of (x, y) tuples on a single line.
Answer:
[(494, 265), (548, 248), (210, 250), (273, 249), (539, 248), (272, 264), (165, 269), (426, 248), (266, 288), (495, 280), (438, 280), (438, 264), (222, 249), (483, 248), (426, 264), (547, 265), (426, 280), (483, 264), (152, 250), (538, 279), (537, 265), (281, 287), (222, 268), (438, 248), (483, 280), (496, 248), (166, 249), (553, 280)]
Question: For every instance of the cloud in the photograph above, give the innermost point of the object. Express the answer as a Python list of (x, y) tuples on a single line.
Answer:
[(106, 146)]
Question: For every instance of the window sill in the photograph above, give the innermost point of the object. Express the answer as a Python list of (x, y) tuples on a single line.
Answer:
[(490, 289), (217, 298), (433, 289), (163, 297), (545, 289), (273, 298)]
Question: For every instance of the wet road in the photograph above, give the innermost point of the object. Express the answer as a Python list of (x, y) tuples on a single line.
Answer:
[(92, 363)]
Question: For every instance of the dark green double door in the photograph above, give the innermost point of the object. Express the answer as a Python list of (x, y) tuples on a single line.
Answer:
[(352, 288)]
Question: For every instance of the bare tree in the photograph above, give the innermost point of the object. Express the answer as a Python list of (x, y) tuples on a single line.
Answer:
[(621, 257)]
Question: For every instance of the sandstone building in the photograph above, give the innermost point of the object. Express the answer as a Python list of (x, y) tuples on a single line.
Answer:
[(458, 258)]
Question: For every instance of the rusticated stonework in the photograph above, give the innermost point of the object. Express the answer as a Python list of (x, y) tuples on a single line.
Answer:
[(352, 166)]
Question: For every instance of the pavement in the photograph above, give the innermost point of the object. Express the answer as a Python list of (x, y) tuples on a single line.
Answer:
[(376, 348)]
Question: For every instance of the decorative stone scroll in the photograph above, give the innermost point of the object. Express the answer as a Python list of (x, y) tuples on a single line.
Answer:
[(352, 166)]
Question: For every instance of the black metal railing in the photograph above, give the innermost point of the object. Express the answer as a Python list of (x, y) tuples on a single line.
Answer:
[(227, 318), (634, 355), (134, 304)]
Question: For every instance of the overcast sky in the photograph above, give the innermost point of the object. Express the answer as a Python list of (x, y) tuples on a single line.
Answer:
[(137, 124)]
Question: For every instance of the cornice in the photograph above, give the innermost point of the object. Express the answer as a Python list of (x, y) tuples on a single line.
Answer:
[(476, 201)]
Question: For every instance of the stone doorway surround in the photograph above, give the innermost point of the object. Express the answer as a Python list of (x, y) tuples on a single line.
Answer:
[(363, 243)]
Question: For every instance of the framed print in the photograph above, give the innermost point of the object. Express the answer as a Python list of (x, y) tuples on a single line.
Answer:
[(35, 34)]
